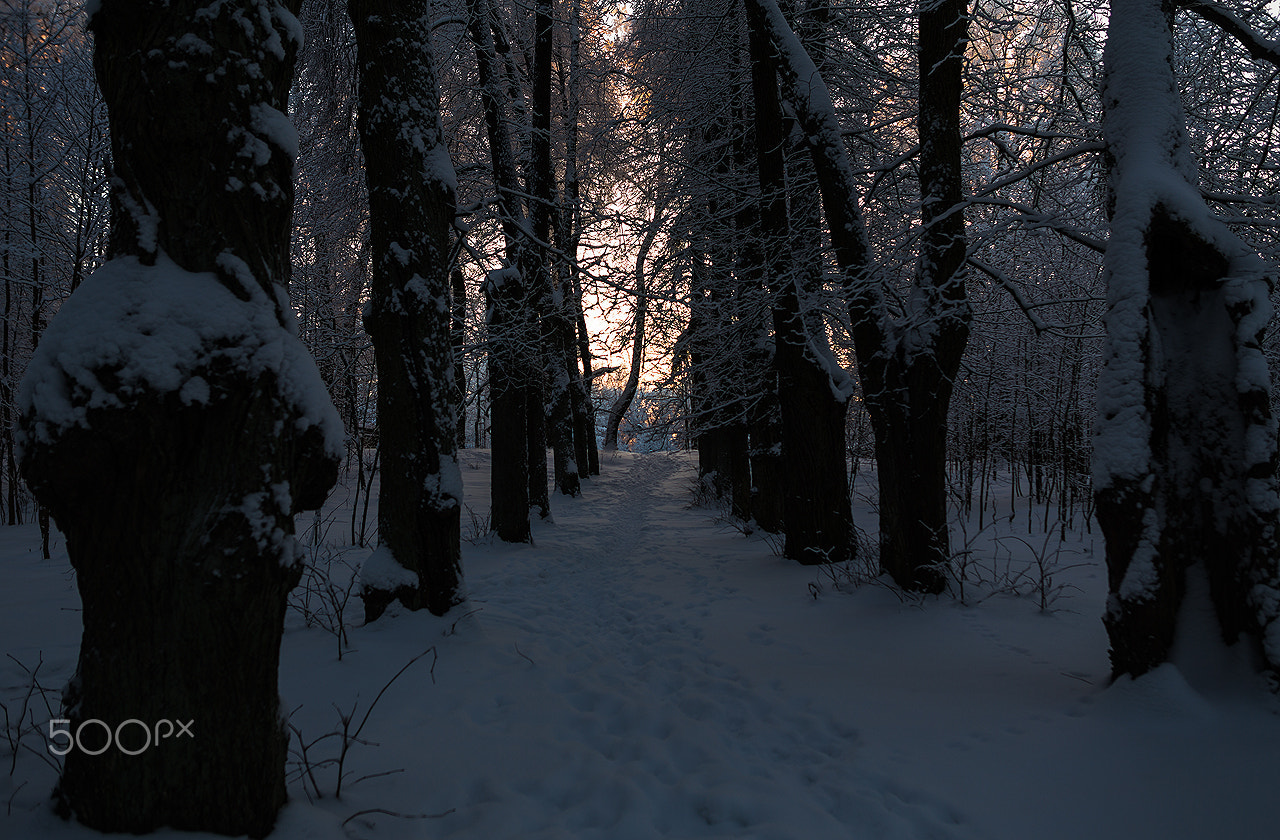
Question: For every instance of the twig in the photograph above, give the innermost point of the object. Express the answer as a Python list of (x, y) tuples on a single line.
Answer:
[(526, 659), (398, 815)]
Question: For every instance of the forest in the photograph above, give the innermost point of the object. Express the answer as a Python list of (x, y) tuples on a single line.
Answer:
[(660, 362)]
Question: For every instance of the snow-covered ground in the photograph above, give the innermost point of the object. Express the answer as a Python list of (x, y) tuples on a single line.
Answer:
[(643, 672)]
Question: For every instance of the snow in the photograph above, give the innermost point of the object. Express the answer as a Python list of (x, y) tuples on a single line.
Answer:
[(151, 327), (640, 672), (276, 126), (381, 571), (438, 167), (290, 24), (1154, 167)]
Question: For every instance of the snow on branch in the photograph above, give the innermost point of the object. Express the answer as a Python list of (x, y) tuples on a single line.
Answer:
[(1259, 47), (1034, 218), (1009, 285)]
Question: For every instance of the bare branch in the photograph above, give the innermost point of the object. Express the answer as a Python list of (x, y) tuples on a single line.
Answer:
[(1008, 284), (1260, 48)]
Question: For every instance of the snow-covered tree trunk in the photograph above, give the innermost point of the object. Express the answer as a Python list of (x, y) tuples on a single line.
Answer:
[(173, 424), (907, 363), (1185, 443), (813, 391), (557, 329), (411, 208)]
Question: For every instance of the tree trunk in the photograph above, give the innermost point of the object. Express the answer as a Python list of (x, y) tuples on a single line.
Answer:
[(585, 422), (813, 392), (507, 320), (908, 390), (174, 425), (907, 364), (1185, 447), (458, 333), (765, 428), (556, 327), (623, 403), (411, 209), (588, 421)]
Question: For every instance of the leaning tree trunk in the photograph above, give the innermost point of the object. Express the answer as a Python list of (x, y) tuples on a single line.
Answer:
[(906, 364), (622, 404), (1185, 448), (813, 391), (411, 208), (174, 425)]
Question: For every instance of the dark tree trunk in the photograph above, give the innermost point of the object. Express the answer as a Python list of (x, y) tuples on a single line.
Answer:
[(588, 422), (1185, 452), (411, 209), (622, 404), (561, 371), (579, 412), (813, 392), (764, 421), (458, 331), (568, 233), (536, 431), (766, 458), (195, 437), (556, 327), (907, 364), (507, 322), (585, 422), (508, 334), (908, 389), (723, 460)]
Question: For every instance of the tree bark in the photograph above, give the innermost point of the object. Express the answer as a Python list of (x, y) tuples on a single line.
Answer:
[(175, 455), (813, 392), (411, 209), (908, 389), (907, 363), (585, 422), (1185, 448), (556, 327), (622, 404), (458, 333), (507, 321)]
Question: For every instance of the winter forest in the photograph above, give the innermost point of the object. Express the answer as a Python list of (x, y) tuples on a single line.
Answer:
[(654, 419)]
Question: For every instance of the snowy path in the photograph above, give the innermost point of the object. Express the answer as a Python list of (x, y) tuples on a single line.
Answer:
[(636, 728), (641, 672)]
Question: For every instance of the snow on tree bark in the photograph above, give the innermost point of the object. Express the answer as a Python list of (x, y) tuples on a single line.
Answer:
[(411, 208), (816, 515), (173, 423), (907, 364), (1185, 443), (557, 329)]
